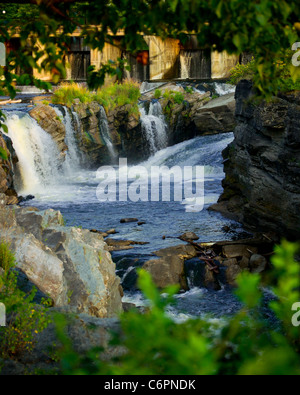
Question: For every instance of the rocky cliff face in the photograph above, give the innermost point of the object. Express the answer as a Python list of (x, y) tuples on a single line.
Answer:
[(262, 165), (6, 171), (123, 130)]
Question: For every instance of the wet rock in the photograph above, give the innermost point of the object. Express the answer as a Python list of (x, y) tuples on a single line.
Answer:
[(25, 199), (167, 271), (47, 118), (128, 220), (183, 251), (217, 116), (232, 272), (120, 245), (236, 251), (189, 236), (111, 232), (258, 263)]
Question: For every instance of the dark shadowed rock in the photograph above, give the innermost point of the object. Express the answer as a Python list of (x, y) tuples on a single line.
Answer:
[(128, 220), (262, 165)]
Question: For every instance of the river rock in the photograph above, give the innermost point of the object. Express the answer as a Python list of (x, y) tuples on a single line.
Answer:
[(239, 251), (128, 220), (167, 271), (189, 236), (258, 263), (70, 265)]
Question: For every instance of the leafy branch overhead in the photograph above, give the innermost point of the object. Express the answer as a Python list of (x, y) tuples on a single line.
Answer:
[(265, 28)]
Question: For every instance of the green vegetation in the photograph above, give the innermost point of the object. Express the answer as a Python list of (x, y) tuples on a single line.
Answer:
[(283, 77), (67, 93), (174, 97), (158, 94), (243, 344), (117, 95), (110, 97), (24, 319), (189, 90)]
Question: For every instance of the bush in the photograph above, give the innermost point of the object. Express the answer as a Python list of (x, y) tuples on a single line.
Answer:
[(67, 93), (244, 344), (158, 94), (110, 97), (117, 95), (24, 319), (285, 82)]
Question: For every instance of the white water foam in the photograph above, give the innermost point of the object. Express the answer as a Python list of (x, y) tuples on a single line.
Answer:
[(39, 159), (154, 127)]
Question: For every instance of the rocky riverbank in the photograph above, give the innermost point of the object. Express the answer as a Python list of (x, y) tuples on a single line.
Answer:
[(262, 165), (71, 266)]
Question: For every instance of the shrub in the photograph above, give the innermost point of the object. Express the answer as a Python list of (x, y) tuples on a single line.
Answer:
[(285, 82), (244, 344), (158, 94), (7, 259), (117, 95), (67, 93), (24, 319), (110, 97)]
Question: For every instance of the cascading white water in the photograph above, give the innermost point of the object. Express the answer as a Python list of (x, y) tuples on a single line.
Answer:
[(105, 133), (39, 159), (73, 155), (154, 127)]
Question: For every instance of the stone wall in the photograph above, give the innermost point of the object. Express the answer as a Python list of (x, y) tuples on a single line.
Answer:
[(262, 165)]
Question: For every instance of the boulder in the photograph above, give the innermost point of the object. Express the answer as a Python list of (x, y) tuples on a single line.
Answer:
[(70, 265), (239, 251), (189, 236), (217, 116), (258, 263), (167, 271), (128, 220), (48, 119)]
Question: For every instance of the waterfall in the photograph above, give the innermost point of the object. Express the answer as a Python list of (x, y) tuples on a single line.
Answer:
[(194, 64), (73, 155), (154, 127), (105, 133), (39, 159)]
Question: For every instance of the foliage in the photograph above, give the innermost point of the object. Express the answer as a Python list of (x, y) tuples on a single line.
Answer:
[(110, 97), (68, 92), (117, 95), (244, 344), (24, 319), (189, 90), (173, 96), (158, 94), (283, 77)]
